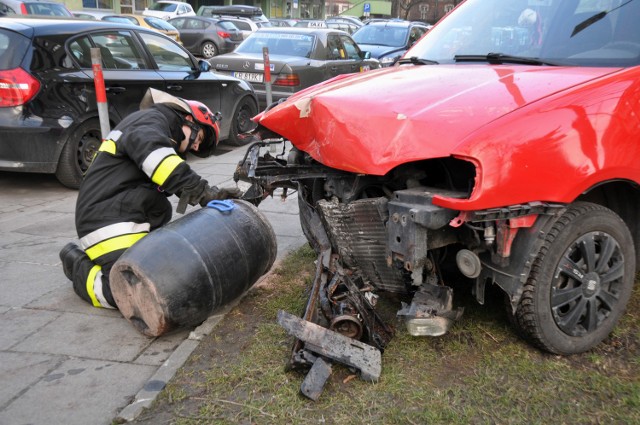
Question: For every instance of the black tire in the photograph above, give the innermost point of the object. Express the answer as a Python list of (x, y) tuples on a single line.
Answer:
[(78, 152), (242, 123), (580, 282), (208, 49)]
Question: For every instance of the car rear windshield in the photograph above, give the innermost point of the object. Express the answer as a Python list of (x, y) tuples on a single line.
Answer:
[(278, 44), (228, 25), (382, 35), (11, 57), (47, 9)]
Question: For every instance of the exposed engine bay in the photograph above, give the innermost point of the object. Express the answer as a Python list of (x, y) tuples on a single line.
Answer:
[(377, 235)]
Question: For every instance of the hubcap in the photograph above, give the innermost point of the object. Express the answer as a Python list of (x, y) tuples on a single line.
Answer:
[(586, 284), (591, 284)]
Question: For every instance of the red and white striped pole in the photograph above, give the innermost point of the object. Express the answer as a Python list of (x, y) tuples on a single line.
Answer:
[(267, 74), (101, 92)]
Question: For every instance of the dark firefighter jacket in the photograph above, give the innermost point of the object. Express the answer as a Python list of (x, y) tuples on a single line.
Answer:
[(124, 193)]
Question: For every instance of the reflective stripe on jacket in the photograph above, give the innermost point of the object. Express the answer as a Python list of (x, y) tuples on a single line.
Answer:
[(136, 168)]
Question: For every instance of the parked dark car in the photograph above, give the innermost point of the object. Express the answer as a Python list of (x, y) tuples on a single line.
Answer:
[(388, 40), (299, 58), (33, 7), (48, 114), (207, 37)]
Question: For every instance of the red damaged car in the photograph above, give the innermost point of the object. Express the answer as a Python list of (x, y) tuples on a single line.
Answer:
[(503, 149)]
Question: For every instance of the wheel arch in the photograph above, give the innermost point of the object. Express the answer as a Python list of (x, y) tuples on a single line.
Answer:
[(623, 198), (114, 119), (620, 196), (226, 125)]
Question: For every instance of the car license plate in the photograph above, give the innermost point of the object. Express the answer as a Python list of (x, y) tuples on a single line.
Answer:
[(252, 77)]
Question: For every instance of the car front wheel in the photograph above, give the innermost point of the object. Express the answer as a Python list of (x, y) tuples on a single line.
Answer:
[(78, 152), (580, 282), (208, 50)]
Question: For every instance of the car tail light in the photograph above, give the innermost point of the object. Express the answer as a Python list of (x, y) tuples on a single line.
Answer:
[(288, 80), (17, 87), (224, 34), (23, 9)]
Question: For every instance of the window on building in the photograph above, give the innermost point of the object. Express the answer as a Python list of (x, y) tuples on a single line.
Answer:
[(97, 4), (424, 9)]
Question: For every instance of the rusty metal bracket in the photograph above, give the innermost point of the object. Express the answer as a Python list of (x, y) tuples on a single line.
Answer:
[(366, 358), (318, 375)]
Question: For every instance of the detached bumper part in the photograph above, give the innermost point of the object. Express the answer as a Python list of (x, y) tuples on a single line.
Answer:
[(431, 311), (334, 346)]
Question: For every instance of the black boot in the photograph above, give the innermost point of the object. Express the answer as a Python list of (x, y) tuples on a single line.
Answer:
[(69, 255)]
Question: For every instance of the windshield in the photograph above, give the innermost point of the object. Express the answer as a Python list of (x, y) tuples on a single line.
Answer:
[(572, 32), (382, 35), (278, 44), (164, 7)]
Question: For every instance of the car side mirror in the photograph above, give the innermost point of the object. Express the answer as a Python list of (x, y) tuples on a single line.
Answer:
[(204, 66), (365, 55)]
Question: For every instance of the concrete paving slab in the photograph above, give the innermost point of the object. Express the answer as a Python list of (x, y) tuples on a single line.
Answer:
[(286, 244), (63, 299), (284, 224), (52, 224), (34, 250), (19, 371), (88, 336), (23, 283), (19, 324), (79, 392), (161, 348), (24, 216)]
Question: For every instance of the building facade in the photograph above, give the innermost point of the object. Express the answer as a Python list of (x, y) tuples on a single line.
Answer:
[(415, 10)]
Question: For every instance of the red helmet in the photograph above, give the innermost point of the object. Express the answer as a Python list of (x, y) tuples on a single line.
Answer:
[(209, 123), (202, 116)]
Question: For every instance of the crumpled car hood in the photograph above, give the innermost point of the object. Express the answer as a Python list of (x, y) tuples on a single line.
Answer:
[(371, 122)]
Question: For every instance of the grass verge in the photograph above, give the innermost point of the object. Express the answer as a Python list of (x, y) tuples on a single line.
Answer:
[(479, 373)]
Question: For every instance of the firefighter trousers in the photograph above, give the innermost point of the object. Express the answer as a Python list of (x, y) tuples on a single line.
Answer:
[(91, 281)]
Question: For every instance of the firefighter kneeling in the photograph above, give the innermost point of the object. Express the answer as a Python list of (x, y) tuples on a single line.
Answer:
[(124, 193)]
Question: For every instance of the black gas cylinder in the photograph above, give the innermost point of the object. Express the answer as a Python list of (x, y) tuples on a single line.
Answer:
[(179, 274)]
